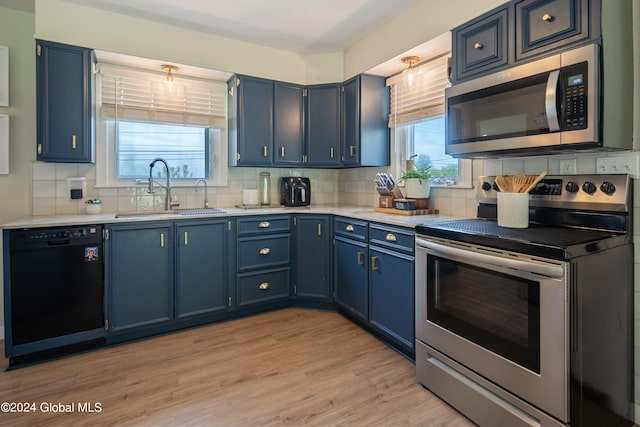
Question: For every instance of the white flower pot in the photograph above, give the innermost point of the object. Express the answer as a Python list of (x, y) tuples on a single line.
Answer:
[(415, 190)]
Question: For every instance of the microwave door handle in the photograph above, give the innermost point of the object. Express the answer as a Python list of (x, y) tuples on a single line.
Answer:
[(550, 103)]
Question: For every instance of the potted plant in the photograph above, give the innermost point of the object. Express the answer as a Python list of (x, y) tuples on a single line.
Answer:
[(417, 182)]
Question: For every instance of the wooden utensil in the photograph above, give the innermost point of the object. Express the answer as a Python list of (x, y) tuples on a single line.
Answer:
[(502, 184), (518, 181), (535, 182)]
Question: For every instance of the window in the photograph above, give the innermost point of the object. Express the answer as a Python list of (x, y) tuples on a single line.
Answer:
[(140, 119), (417, 115)]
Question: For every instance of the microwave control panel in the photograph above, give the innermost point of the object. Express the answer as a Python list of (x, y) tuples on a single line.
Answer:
[(574, 93)]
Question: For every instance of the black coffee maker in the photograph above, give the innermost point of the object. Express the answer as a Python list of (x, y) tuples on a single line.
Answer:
[(295, 191)]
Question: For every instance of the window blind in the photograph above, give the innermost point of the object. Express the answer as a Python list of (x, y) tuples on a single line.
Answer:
[(145, 96), (424, 98)]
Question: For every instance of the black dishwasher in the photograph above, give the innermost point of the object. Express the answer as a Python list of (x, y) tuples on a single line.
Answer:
[(56, 288)]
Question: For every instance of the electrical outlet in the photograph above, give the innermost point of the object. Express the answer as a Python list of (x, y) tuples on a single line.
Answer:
[(568, 167), (619, 164)]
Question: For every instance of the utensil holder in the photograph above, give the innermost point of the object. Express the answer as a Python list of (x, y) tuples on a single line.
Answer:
[(513, 210)]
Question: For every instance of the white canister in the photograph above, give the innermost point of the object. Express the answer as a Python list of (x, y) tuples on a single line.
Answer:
[(513, 210), (250, 197)]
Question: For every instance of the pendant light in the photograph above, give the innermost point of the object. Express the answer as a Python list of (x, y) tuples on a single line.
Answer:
[(410, 72), (169, 69)]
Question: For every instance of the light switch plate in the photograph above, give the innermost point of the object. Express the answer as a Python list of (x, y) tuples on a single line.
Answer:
[(629, 163)]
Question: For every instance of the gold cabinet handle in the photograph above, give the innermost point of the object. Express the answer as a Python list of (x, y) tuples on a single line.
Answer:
[(374, 267), (359, 258), (265, 251), (162, 240), (282, 151), (40, 148), (264, 286), (73, 142), (391, 237), (547, 18), (186, 238), (349, 228), (352, 150), (319, 229), (332, 152), (264, 224), (477, 46), (264, 151)]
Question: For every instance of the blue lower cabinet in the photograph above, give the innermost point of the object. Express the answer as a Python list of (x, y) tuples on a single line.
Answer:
[(201, 268), (351, 277), (391, 295), (313, 258), (263, 287), (139, 275)]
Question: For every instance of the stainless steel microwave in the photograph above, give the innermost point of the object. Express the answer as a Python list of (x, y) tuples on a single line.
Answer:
[(554, 103)]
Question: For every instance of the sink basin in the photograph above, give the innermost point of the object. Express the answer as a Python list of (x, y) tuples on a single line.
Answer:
[(145, 213), (199, 211)]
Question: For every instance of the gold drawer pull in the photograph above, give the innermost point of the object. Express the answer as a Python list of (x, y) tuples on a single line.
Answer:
[(162, 240), (391, 237), (332, 153), (359, 260), (374, 267), (349, 228), (282, 151), (477, 46), (264, 151), (352, 150), (264, 286), (547, 18), (265, 251), (186, 238), (73, 142), (264, 224)]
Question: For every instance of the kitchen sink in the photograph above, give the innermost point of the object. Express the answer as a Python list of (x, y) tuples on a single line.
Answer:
[(199, 211), (145, 213)]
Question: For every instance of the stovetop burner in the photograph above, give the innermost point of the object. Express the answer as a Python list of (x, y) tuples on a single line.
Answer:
[(540, 240), (570, 216)]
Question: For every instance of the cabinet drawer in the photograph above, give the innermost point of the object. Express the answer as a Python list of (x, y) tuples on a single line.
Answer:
[(542, 25), (351, 228), (391, 237), (481, 45), (261, 252), (263, 287), (263, 225)]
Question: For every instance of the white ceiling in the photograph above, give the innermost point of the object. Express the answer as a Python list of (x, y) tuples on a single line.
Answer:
[(302, 26)]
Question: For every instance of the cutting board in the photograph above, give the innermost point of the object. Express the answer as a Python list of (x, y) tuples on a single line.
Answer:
[(413, 212)]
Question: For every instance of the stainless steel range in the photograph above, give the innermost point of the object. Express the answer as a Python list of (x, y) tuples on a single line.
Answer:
[(531, 327)]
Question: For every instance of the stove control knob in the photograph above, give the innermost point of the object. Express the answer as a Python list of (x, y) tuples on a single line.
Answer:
[(589, 187), (608, 188), (486, 186), (572, 187), (495, 187)]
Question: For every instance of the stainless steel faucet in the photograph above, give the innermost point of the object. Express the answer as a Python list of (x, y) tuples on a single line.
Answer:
[(206, 198), (167, 199)]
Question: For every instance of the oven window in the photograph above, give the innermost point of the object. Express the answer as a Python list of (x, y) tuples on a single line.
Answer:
[(496, 311)]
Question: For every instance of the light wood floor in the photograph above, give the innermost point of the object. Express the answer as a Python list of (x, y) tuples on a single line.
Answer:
[(283, 368)]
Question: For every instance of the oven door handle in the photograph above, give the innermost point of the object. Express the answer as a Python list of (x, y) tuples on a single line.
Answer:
[(549, 270)]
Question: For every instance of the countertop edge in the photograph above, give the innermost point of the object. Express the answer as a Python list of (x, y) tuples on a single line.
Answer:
[(356, 212)]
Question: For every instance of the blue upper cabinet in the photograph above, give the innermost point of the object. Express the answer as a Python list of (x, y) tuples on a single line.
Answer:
[(323, 125), (365, 116), (64, 92), (288, 124), (543, 25), (250, 115), (481, 44)]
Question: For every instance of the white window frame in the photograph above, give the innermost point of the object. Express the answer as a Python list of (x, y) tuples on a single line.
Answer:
[(106, 156)]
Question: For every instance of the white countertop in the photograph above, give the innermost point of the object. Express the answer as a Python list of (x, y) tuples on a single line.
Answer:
[(360, 212)]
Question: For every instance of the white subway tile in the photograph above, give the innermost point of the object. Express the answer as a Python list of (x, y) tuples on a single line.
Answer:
[(44, 206), (43, 171)]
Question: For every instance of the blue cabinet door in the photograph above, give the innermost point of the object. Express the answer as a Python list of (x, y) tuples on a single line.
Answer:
[(391, 295), (323, 125), (313, 250), (288, 124), (202, 275), (351, 276), (250, 121), (365, 118), (139, 275), (63, 97)]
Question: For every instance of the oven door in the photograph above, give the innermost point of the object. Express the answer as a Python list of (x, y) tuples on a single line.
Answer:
[(500, 314)]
